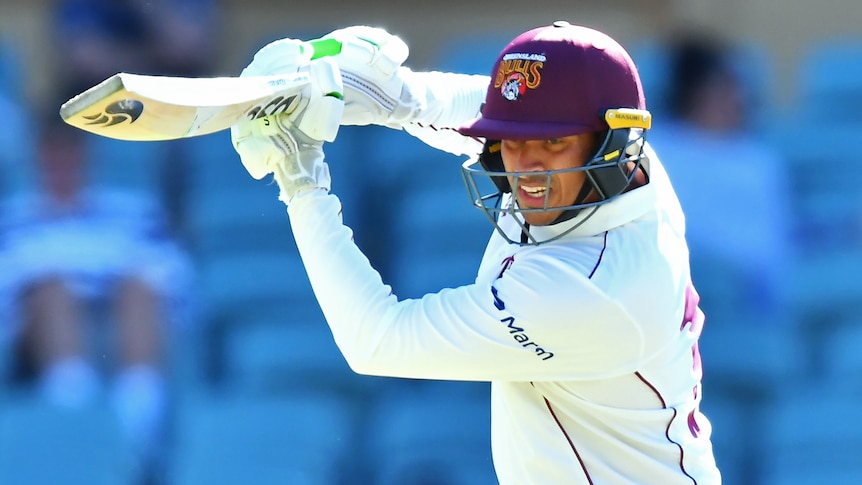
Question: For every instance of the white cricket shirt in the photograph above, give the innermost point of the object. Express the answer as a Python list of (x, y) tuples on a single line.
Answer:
[(589, 341)]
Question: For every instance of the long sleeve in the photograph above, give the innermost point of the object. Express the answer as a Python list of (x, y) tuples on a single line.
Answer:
[(460, 333), (448, 100)]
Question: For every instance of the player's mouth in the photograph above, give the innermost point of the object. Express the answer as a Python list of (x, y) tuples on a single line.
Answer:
[(532, 195)]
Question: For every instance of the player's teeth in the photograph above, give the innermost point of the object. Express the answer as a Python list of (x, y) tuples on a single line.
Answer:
[(534, 190)]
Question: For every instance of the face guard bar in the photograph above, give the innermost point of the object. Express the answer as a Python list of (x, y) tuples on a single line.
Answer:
[(608, 174)]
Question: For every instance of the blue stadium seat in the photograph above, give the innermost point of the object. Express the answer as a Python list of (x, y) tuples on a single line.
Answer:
[(45, 445), (470, 53), (830, 78), (842, 355), (282, 354), (228, 212), (6, 364), (651, 58), (756, 67), (825, 300), (231, 220), (213, 162), (828, 202), (827, 281), (435, 432), (751, 61), (247, 284), (11, 67), (224, 210), (17, 147), (813, 436), (438, 239), (299, 439), (249, 269), (435, 238), (733, 437), (752, 365), (127, 165)]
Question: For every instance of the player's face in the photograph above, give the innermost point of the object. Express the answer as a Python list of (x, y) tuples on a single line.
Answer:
[(540, 155)]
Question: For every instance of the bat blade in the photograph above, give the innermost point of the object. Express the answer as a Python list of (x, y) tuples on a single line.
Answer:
[(139, 107)]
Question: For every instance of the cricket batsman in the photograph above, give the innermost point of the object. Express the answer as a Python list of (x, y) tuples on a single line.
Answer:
[(582, 316)]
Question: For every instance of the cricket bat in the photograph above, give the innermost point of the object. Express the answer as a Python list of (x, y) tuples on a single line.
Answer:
[(139, 107)]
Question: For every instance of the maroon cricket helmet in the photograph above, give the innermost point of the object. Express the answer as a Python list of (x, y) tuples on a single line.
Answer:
[(556, 81)]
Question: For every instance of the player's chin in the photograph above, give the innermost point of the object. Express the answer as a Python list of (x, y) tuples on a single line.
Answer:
[(544, 218)]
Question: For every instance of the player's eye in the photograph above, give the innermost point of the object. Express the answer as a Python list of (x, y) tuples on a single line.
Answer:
[(513, 144), (555, 144)]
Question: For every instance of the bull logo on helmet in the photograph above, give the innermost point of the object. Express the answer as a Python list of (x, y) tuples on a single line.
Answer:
[(518, 72), (514, 86)]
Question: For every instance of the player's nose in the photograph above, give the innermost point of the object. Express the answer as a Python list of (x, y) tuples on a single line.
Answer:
[(529, 157)]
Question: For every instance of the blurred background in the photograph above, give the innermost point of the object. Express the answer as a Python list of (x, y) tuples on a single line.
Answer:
[(156, 326)]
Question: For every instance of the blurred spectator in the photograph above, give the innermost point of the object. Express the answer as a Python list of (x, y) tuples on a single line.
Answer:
[(733, 186), (16, 143), (98, 38), (94, 281), (95, 39)]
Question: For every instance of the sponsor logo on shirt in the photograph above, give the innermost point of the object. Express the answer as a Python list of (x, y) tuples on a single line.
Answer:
[(518, 334)]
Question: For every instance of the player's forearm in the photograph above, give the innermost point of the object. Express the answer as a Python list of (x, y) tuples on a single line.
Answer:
[(458, 333), (448, 100), (379, 335)]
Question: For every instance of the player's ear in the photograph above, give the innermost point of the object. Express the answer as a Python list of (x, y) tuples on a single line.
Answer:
[(491, 159)]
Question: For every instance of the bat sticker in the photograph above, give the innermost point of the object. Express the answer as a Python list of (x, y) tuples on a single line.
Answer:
[(118, 112), (279, 104)]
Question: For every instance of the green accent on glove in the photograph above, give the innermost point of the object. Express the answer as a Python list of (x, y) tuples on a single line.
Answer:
[(325, 47)]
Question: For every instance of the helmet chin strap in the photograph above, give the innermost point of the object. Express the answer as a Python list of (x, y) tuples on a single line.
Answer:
[(525, 231), (619, 140)]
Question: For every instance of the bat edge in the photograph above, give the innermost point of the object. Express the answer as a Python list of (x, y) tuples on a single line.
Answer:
[(91, 96)]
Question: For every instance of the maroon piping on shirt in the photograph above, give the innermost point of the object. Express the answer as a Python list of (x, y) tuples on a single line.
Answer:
[(667, 430), (569, 439)]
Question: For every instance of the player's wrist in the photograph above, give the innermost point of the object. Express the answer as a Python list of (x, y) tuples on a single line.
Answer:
[(301, 174)]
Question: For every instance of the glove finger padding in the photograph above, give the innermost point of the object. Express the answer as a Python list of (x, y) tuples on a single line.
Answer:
[(322, 117), (283, 56), (371, 62), (372, 46), (370, 59), (316, 115)]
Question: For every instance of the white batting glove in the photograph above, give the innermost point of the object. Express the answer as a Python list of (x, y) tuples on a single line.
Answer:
[(290, 145), (369, 59), (378, 89), (371, 62), (298, 159), (283, 56)]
